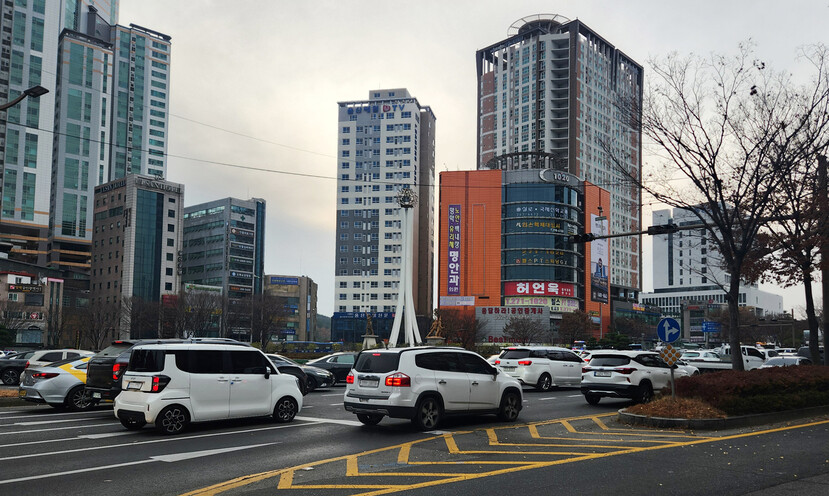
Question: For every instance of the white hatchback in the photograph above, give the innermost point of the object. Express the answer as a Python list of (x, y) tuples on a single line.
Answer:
[(542, 367), (172, 385)]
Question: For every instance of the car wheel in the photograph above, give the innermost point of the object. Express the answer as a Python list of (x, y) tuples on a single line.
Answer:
[(592, 399), (77, 400), (285, 410), (312, 384), (645, 393), (10, 377), (133, 424), (369, 419), (172, 420), (545, 383), (428, 413), (510, 406)]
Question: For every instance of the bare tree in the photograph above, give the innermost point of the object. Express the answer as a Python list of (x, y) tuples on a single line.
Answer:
[(574, 326), (142, 317), (461, 327), (98, 325), (268, 314), (204, 310), (732, 130), (523, 330), (12, 315)]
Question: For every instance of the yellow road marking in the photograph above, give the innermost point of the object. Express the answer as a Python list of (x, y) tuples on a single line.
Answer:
[(286, 476)]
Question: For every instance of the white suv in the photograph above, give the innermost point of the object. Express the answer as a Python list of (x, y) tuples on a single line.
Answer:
[(172, 385), (542, 367), (625, 374), (425, 384)]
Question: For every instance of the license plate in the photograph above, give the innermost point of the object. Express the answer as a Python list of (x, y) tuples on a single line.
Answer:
[(369, 383), (97, 396), (21, 393), (134, 385), (508, 369), (602, 373)]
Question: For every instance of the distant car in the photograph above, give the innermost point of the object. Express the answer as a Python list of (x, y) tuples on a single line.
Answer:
[(700, 356), (12, 367), (339, 364), (294, 369), (785, 361), (492, 358), (315, 376), (687, 367), (805, 352), (542, 367), (768, 353), (59, 385)]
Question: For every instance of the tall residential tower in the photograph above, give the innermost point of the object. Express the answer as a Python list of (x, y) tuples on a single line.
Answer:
[(557, 87), (384, 144)]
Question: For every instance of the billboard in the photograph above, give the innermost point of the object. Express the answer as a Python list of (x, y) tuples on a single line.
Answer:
[(494, 319), (454, 250), (598, 260), (555, 303), (539, 288)]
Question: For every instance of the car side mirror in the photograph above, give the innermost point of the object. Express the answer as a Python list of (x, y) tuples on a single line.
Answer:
[(267, 372), (494, 373)]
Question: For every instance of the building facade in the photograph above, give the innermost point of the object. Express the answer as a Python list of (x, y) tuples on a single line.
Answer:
[(556, 87), (688, 278), (298, 296), (504, 244), (385, 143), (105, 116), (224, 246), (136, 243)]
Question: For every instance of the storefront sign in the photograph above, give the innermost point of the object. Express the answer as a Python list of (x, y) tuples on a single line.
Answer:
[(454, 250), (539, 289)]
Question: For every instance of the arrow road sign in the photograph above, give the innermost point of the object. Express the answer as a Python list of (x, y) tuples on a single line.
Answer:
[(668, 330)]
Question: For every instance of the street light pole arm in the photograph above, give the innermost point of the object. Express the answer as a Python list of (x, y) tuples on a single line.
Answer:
[(14, 102)]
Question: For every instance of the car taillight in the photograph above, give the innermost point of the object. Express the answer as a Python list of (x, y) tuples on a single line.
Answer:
[(497, 362), (159, 383), (118, 370), (585, 370), (44, 375), (525, 362), (349, 379), (625, 370), (398, 380), (27, 365)]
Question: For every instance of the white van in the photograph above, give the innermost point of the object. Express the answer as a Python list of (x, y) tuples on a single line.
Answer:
[(542, 367), (752, 357), (172, 385)]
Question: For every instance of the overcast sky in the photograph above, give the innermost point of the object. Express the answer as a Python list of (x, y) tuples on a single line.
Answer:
[(256, 84)]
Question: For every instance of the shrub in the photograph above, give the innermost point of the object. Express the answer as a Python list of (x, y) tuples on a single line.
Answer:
[(759, 391)]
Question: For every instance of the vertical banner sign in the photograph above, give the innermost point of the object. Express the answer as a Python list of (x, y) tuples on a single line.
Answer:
[(598, 260), (454, 246)]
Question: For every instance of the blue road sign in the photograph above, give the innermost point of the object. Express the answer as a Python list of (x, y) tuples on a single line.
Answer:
[(709, 326), (668, 330)]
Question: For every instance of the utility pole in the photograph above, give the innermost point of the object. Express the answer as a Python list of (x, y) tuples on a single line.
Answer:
[(824, 261)]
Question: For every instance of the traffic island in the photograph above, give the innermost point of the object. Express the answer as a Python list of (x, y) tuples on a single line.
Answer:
[(713, 424)]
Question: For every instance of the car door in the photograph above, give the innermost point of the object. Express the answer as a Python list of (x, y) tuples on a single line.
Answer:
[(452, 382), (483, 388), (559, 368), (209, 384), (250, 390), (655, 370), (573, 364)]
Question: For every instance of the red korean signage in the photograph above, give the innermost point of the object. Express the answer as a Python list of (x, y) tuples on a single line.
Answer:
[(536, 288)]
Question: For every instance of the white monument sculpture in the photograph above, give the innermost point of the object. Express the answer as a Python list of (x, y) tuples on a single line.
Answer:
[(407, 199)]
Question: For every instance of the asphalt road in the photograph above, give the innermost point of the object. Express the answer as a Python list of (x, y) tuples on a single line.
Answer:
[(560, 444)]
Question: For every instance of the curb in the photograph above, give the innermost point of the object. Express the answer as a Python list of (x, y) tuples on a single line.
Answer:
[(714, 424), (11, 401)]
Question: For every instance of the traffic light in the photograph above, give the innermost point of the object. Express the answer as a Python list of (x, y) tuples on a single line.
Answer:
[(581, 238), (663, 229)]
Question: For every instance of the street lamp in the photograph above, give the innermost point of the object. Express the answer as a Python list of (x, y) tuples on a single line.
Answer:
[(601, 219), (407, 199), (34, 92)]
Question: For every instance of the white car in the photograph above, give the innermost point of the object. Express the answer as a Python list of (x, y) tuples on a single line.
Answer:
[(700, 356), (172, 385), (542, 367), (785, 361), (424, 384), (687, 367), (625, 374)]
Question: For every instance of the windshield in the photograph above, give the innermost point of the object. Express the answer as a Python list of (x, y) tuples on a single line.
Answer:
[(609, 361), (515, 354), (285, 359)]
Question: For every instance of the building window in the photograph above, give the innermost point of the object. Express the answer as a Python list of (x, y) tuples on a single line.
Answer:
[(170, 242), (168, 286), (169, 271), (171, 228), (171, 213)]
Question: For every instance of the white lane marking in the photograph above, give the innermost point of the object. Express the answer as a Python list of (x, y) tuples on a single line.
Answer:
[(330, 421), (335, 404), (160, 458), (334, 394), (152, 441), (46, 422), (105, 413), (54, 429), (105, 435)]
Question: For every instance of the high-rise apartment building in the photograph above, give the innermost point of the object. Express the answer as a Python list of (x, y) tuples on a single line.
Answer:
[(224, 246), (297, 297), (136, 241), (385, 143), (105, 116), (557, 87)]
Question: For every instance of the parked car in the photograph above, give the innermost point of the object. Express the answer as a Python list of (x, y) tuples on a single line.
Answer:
[(59, 385), (542, 367), (292, 369), (173, 384), (768, 353), (700, 356), (805, 352), (338, 364), (785, 361), (425, 384), (315, 377), (103, 380), (625, 374), (11, 368), (687, 367)]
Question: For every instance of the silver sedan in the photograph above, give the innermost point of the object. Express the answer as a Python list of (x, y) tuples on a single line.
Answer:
[(59, 385)]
